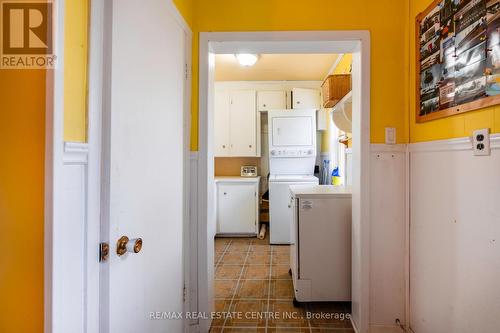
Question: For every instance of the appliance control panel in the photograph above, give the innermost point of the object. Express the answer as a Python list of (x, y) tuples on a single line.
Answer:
[(277, 153)]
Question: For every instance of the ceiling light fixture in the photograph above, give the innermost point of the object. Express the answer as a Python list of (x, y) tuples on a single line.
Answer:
[(247, 59)]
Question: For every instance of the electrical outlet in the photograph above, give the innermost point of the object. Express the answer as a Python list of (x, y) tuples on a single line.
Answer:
[(390, 135), (481, 142)]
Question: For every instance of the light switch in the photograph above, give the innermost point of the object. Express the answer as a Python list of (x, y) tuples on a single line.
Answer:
[(390, 135), (481, 142)]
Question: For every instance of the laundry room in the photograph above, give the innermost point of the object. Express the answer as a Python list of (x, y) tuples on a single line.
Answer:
[(282, 173)]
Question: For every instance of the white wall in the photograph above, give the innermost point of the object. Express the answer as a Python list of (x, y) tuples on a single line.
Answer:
[(387, 236), (454, 238)]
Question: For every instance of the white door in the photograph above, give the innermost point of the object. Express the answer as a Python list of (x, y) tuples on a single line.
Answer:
[(143, 158), (271, 100), (303, 98), (236, 208), (243, 123), (221, 123)]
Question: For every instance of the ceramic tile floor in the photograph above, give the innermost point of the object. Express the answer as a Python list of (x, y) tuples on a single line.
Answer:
[(254, 293)]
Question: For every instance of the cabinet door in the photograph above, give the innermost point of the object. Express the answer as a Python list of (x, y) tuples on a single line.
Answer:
[(271, 100), (221, 123), (305, 98), (243, 123), (236, 208)]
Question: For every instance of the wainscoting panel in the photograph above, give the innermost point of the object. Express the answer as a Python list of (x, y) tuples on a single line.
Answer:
[(454, 237), (387, 236), (70, 286)]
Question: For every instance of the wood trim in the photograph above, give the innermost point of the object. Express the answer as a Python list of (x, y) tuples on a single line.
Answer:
[(470, 106), (458, 109)]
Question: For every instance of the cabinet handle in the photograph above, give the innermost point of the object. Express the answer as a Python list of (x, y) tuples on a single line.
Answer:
[(225, 193), (249, 146), (264, 105), (298, 102), (223, 146)]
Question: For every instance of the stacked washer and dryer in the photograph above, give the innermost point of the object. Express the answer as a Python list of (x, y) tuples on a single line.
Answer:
[(292, 157)]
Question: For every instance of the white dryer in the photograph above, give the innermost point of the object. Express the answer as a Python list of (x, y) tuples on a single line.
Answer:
[(292, 156)]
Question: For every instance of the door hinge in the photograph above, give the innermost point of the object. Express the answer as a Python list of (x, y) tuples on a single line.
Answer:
[(103, 252), (184, 293), (186, 71)]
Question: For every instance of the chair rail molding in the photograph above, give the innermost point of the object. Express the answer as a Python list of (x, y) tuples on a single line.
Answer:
[(75, 153), (464, 143)]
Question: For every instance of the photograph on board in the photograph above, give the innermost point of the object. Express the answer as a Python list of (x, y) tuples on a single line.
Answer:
[(471, 56), (447, 24), (448, 58), (493, 36), (493, 85), (470, 25), (470, 91), (447, 94), (470, 72)]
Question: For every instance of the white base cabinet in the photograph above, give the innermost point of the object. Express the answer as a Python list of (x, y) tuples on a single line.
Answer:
[(237, 205)]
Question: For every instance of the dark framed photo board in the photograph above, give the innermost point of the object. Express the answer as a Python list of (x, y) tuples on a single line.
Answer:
[(457, 57)]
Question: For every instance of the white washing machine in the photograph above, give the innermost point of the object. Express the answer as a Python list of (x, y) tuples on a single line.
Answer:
[(292, 156)]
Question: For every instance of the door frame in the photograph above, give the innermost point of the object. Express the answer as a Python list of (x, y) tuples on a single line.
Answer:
[(356, 42), (56, 150)]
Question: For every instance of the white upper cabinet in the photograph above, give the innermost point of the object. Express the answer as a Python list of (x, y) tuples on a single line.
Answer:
[(271, 100), (303, 98), (236, 123), (243, 123), (221, 123)]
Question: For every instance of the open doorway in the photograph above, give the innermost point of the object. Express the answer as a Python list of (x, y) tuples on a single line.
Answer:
[(216, 257), (254, 107)]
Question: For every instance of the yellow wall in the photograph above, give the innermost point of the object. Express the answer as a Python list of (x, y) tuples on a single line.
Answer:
[(22, 137), (75, 71), (384, 19), (445, 128), (344, 65), (185, 7)]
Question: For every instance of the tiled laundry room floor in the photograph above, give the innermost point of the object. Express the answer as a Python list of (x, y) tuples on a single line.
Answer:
[(254, 293)]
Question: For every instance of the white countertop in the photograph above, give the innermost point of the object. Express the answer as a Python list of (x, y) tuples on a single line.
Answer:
[(237, 179), (320, 191)]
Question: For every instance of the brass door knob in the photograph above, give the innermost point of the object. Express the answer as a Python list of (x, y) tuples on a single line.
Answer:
[(125, 245)]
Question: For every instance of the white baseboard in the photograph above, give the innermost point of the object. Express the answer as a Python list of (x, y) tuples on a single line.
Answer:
[(385, 329)]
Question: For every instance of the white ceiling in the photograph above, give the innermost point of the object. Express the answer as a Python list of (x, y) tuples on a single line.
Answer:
[(275, 67)]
